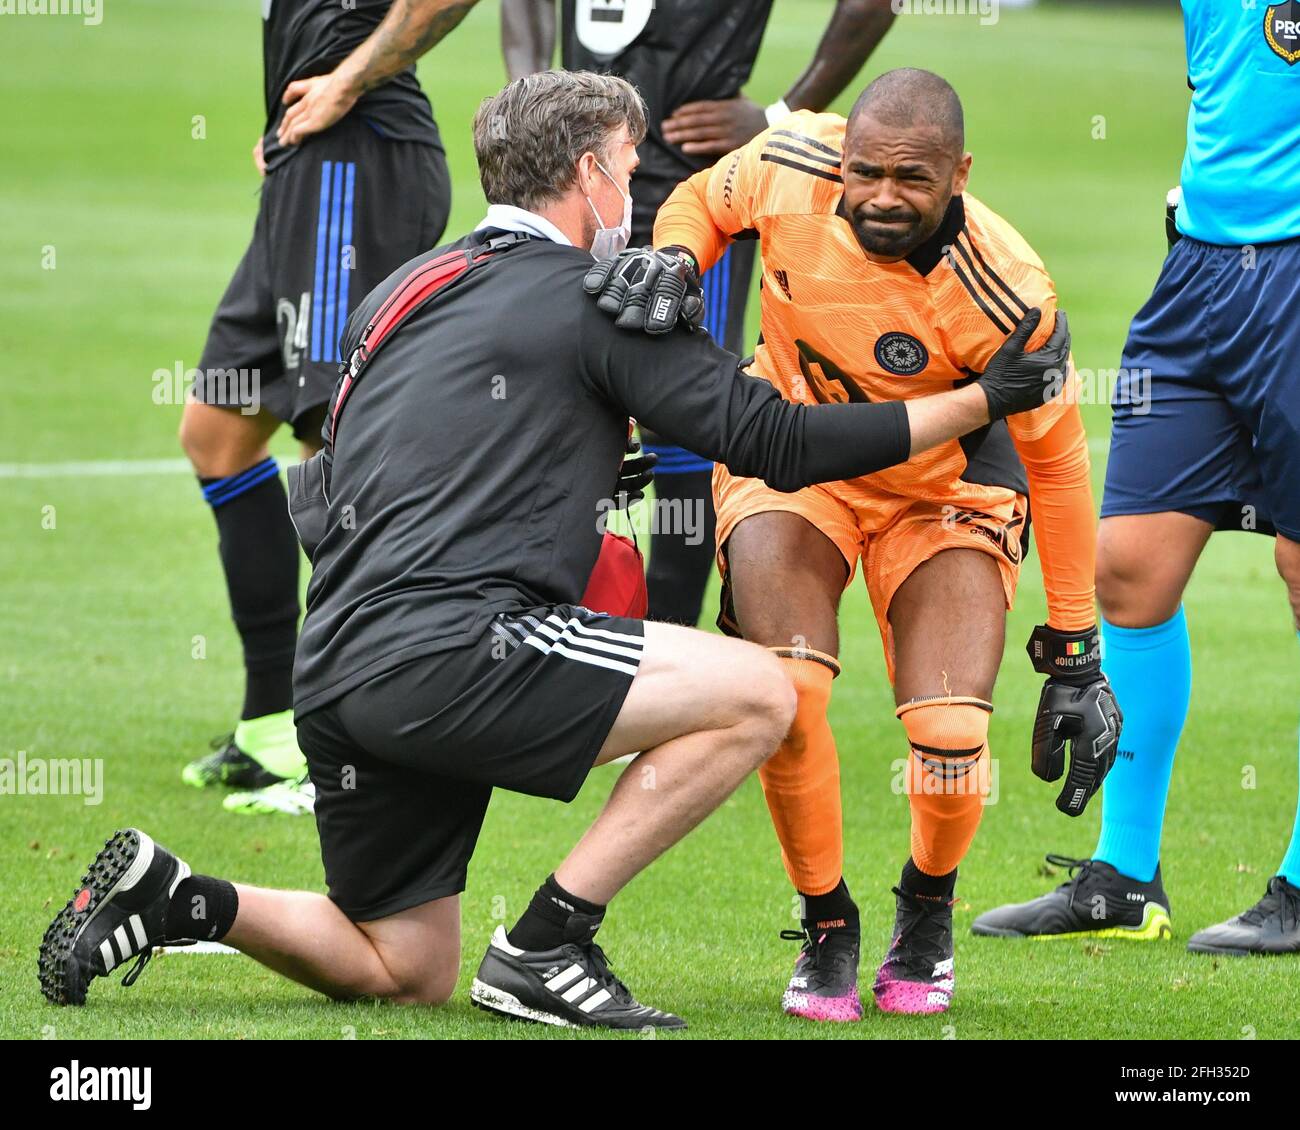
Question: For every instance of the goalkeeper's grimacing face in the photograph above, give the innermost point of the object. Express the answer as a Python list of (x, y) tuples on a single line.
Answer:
[(898, 183)]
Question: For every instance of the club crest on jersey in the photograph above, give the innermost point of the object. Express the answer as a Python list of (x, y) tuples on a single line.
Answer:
[(1282, 30), (607, 27), (901, 354)]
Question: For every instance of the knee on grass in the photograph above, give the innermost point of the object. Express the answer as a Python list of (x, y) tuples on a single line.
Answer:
[(429, 988), (429, 993)]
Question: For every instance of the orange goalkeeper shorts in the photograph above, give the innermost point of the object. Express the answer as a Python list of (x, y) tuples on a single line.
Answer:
[(891, 534)]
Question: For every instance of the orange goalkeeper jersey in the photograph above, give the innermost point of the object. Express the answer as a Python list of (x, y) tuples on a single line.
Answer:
[(837, 326)]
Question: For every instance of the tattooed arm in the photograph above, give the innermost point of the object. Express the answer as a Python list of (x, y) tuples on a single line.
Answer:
[(856, 28), (407, 32)]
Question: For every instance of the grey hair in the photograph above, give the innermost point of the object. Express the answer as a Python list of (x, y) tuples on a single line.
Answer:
[(529, 136)]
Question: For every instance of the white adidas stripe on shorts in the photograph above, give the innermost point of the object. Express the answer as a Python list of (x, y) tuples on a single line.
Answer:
[(574, 640)]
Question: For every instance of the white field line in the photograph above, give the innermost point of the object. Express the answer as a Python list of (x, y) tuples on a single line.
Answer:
[(198, 948), (95, 468), (121, 468)]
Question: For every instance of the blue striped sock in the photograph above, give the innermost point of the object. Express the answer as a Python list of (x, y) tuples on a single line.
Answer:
[(218, 492), (1150, 670), (1290, 869)]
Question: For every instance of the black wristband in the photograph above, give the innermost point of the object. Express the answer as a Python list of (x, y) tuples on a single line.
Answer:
[(1070, 657), (682, 253)]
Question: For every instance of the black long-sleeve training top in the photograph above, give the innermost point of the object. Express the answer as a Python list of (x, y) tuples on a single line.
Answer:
[(475, 452)]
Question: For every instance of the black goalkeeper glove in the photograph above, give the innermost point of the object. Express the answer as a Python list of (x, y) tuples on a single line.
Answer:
[(637, 473), (1076, 706), (1016, 381), (648, 290)]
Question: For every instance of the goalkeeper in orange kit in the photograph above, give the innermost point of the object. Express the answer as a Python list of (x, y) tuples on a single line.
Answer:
[(883, 279)]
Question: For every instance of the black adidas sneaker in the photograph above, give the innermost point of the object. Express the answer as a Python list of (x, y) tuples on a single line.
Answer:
[(571, 986), (118, 912), (1095, 902), (1271, 926)]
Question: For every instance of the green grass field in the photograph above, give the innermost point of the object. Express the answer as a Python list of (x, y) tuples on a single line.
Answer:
[(106, 581)]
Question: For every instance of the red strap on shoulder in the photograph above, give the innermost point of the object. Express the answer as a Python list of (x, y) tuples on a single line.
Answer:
[(421, 284)]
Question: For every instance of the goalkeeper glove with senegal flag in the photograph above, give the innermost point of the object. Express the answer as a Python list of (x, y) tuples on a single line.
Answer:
[(648, 290), (1076, 707)]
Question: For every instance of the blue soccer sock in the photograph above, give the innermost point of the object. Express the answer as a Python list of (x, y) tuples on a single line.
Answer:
[(1290, 869), (1150, 670)]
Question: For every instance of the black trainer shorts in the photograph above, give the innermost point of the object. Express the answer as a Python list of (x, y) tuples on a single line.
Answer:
[(404, 765)]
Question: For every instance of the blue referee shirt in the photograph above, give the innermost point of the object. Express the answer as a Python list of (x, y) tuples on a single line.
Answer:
[(1241, 172)]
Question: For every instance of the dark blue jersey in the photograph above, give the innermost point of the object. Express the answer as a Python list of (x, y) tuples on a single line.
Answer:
[(673, 52), (301, 38)]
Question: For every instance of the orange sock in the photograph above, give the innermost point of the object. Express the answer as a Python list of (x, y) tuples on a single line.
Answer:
[(947, 777), (802, 780)]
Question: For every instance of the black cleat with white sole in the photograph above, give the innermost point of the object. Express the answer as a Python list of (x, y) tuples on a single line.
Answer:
[(1271, 926), (571, 986), (118, 912)]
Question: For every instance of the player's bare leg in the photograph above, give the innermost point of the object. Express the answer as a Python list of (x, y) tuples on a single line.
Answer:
[(260, 557), (786, 578), (1139, 585), (411, 957), (948, 621), (1286, 554), (707, 711), (223, 441), (137, 895)]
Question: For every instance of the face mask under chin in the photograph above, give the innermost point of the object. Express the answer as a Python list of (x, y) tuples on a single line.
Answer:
[(608, 242)]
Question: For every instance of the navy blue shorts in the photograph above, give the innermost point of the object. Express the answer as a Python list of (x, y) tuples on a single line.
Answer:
[(1207, 409), (332, 223)]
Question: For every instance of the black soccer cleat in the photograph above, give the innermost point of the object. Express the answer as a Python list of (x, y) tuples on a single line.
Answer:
[(1271, 926), (824, 984), (1095, 902), (570, 987), (916, 978), (118, 912), (230, 766)]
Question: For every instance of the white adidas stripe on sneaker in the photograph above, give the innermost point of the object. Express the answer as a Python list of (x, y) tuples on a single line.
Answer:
[(112, 955)]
